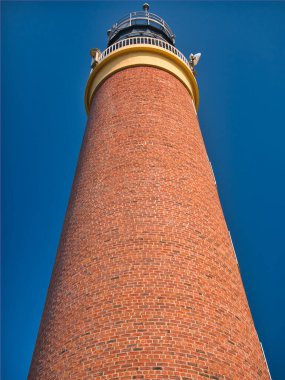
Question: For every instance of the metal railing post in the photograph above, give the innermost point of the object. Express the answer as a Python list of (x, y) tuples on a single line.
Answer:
[(143, 40)]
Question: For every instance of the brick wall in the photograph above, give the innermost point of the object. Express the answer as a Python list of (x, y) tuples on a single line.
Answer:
[(145, 284)]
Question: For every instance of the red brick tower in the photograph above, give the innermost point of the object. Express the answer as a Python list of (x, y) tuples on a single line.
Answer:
[(145, 284)]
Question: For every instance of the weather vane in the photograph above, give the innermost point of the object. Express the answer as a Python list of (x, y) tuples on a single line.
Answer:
[(146, 7)]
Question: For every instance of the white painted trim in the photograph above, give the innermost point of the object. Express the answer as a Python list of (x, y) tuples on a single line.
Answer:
[(265, 360), (212, 170), (233, 247)]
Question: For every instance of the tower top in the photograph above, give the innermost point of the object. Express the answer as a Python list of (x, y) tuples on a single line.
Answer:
[(141, 24), (141, 39), (146, 7)]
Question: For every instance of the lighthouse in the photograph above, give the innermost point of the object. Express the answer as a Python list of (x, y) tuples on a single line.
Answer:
[(146, 284)]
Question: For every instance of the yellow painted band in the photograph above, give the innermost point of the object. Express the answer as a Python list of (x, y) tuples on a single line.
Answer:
[(141, 55)]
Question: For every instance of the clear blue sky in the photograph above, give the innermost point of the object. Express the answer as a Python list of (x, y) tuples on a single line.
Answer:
[(45, 65)]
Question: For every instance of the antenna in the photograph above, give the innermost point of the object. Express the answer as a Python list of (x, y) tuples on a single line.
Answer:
[(196, 58), (193, 60), (95, 54)]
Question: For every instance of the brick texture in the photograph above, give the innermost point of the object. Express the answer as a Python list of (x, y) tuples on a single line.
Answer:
[(145, 283)]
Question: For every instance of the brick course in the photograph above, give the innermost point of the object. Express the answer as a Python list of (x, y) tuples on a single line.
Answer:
[(145, 283)]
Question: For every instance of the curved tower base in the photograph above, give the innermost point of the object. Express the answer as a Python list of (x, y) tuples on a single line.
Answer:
[(145, 284)]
